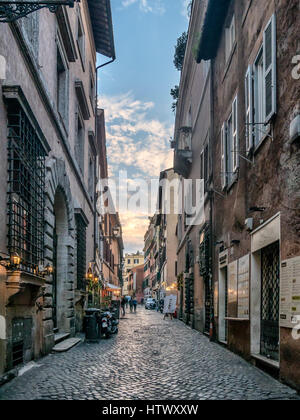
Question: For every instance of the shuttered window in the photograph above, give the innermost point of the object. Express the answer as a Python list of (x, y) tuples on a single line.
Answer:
[(260, 89), (223, 157), (230, 146), (249, 109), (235, 140), (270, 69)]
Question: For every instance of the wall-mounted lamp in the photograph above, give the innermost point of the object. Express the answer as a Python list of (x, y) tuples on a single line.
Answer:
[(89, 274), (47, 271), (11, 262)]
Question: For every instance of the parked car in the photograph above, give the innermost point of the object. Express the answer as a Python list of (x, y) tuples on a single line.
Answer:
[(150, 303)]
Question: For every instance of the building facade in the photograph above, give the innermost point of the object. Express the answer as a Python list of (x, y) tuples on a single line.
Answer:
[(135, 283), (251, 249), (48, 141), (166, 225), (192, 161), (130, 261)]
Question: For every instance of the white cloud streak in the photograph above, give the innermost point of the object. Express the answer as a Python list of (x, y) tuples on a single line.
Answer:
[(139, 144), (147, 6)]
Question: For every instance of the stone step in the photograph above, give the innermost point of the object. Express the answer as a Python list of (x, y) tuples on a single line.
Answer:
[(66, 345), (61, 337)]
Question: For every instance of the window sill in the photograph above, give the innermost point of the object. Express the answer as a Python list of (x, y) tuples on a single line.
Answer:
[(229, 61), (262, 140)]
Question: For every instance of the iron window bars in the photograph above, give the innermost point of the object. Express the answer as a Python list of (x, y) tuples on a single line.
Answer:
[(81, 251), (13, 10), (26, 190)]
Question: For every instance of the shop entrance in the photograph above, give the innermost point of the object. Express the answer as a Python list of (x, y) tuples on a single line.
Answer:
[(270, 289)]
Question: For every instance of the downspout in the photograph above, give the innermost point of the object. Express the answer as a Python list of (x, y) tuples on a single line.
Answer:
[(95, 169), (211, 201)]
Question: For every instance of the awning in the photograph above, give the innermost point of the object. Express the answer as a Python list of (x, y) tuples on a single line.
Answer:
[(112, 288), (100, 13)]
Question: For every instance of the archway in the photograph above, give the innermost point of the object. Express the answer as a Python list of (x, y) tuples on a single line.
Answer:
[(60, 260)]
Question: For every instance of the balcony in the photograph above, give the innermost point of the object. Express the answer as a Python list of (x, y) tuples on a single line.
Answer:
[(183, 155)]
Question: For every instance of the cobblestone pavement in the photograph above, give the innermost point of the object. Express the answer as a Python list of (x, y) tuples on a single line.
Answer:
[(149, 359)]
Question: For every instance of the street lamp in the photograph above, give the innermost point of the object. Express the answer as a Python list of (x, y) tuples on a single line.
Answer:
[(12, 261), (48, 270), (11, 11)]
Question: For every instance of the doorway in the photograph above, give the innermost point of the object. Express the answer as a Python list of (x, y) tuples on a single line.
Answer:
[(270, 290), (60, 260)]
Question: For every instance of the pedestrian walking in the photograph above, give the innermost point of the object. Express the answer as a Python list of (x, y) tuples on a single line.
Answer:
[(134, 304), (131, 305), (123, 303)]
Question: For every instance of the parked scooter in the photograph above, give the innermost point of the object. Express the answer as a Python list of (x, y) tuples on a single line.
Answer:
[(109, 324)]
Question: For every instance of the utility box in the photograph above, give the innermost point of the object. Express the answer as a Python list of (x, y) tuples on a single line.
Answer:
[(92, 324)]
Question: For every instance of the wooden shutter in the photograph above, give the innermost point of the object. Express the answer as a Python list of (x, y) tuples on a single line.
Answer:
[(249, 109), (223, 157), (235, 139), (270, 69)]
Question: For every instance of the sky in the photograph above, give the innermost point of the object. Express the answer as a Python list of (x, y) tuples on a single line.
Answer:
[(134, 91)]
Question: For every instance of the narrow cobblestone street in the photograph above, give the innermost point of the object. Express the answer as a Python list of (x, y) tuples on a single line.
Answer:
[(149, 359)]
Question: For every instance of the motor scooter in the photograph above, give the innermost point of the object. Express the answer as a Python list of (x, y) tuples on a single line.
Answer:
[(108, 324)]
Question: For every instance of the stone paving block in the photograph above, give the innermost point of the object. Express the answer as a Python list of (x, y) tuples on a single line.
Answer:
[(149, 359)]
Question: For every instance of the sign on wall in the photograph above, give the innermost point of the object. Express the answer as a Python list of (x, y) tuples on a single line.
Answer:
[(290, 292), (266, 234), (170, 304), (232, 289), (243, 287)]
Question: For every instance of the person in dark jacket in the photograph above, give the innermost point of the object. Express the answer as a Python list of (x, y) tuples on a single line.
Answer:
[(123, 303), (134, 304)]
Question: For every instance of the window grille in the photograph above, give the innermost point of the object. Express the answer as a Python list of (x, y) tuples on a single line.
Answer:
[(81, 251), (26, 190)]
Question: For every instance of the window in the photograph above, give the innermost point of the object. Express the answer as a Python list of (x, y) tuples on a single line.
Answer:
[(79, 142), (81, 250), (26, 190), (230, 147), (230, 38), (260, 89), (92, 92), (80, 39), (62, 87), (128, 261), (259, 97), (205, 166)]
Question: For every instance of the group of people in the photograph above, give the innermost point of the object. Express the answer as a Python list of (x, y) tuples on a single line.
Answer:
[(128, 301)]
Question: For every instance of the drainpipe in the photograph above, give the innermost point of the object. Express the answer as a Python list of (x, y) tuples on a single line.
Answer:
[(213, 336), (95, 169)]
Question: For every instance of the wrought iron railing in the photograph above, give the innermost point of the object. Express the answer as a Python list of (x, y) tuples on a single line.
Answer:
[(26, 190)]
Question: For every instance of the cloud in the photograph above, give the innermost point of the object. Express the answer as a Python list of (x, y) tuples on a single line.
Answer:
[(138, 144), (147, 6), (134, 140), (186, 8)]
